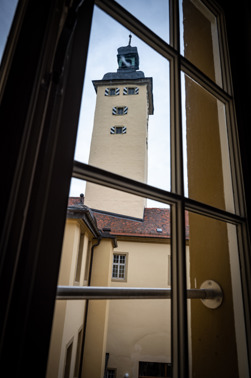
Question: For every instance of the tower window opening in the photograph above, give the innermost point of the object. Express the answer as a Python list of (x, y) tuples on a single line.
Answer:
[(118, 130), (130, 91), (119, 110), (112, 91)]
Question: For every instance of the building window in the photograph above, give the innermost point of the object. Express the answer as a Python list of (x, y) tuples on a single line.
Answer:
[(67, 366), (78, 354), (119, 267), (112, 91), (130, 91), (119, 110), (111, 373), (118, 130), (154, 369), (79, 258)]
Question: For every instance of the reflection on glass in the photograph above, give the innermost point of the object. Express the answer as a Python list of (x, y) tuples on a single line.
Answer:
[(206, 150), (199, 38), (124, 120), (110, 249), (213, 255), (153, 13)]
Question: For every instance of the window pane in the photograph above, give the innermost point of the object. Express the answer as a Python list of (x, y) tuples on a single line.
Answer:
[(206, 148), (153, 13), (200, 39), (140, 106), (139, 332), (122, 259), (213, 256), (115, 271), (131, 253)]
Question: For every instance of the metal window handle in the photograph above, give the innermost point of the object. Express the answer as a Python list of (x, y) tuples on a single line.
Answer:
[(210, 293)]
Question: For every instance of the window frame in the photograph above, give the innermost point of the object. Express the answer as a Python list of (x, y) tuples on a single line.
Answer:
[(176, 198), (28, 238), (125, 264)]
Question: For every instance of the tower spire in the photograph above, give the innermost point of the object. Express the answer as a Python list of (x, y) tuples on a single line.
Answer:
[(130, 38)]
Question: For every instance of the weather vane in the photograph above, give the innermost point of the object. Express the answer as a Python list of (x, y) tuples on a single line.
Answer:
[(130, 37)]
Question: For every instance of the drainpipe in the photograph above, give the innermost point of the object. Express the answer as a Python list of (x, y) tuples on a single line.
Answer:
[(86, 309)]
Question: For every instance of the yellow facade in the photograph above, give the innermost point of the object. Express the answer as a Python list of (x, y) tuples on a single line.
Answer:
[(69, 315)]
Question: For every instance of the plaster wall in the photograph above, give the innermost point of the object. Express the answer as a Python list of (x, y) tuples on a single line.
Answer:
[(140, 330), (68, 315), (125, 154)]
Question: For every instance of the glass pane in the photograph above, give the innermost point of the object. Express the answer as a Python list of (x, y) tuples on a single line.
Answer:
[(7, 11), (206, 150), (138, 339), (153, 13), (127, 335), (127, 133), (199, 38), (217, 335)]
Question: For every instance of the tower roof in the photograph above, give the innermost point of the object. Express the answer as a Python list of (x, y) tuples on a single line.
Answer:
[(128, 64)]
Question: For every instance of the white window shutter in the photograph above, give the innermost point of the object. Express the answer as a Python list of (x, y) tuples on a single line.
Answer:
[(114, 110), (106, 91), (117, 91), (112, 130), (125, 109), (125, 91)]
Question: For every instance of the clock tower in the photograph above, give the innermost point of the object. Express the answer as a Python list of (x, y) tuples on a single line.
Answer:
[(120, 132)]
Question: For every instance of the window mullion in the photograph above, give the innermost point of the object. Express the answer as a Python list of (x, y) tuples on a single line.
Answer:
[(178, 267)]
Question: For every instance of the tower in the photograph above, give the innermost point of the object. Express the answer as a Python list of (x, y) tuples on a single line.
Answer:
[(120, 132)]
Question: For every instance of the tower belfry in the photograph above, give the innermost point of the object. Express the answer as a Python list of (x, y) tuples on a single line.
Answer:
[(120, 132)]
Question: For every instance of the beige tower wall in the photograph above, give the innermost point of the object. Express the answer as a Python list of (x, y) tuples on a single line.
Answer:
[(124, 154)]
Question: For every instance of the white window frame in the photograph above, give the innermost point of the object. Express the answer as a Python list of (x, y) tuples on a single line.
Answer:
[(118, 265)]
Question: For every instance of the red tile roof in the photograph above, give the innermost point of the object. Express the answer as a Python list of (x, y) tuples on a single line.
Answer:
[(156, 222)]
